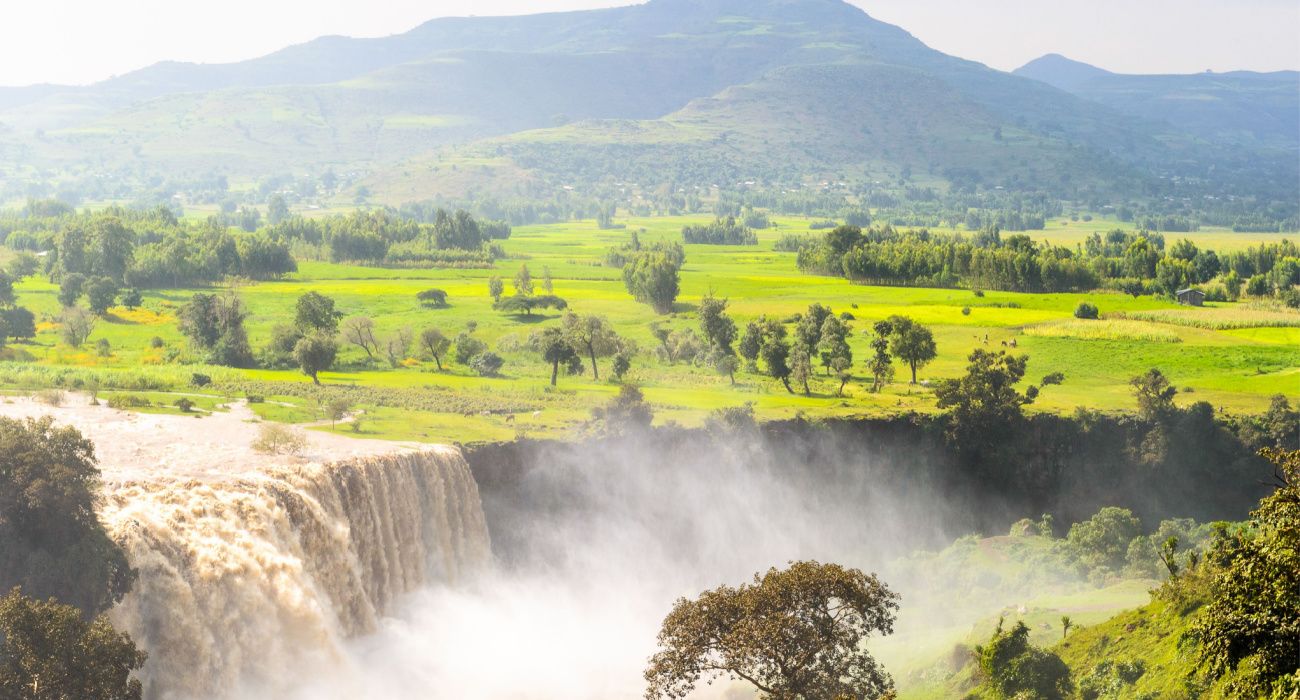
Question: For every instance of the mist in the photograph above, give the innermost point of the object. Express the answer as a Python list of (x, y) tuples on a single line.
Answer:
[(594, 542)]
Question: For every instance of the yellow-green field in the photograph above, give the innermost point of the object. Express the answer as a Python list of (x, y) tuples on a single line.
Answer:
[(1234, 365)]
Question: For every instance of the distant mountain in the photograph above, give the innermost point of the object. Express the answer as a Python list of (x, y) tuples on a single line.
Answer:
[(1239, 108), (1061, 72), (670, 91)]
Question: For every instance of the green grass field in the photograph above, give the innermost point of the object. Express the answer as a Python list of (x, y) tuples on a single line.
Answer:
[(1236, 366)]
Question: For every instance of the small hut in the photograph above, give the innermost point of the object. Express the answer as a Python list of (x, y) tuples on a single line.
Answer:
[(1191, 297)]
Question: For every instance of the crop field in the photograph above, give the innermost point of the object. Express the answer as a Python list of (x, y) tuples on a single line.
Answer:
[(1230, 355)]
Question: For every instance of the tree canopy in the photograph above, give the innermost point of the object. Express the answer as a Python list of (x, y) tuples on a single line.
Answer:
[(797, 632)]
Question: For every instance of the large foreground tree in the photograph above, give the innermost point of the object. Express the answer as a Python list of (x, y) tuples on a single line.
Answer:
[(794, 634)]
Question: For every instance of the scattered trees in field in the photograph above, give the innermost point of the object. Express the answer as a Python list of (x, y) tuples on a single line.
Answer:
[(71, 287), (1155, 395), (716, 326), (434, 344), (523, 282), (315, 353), (101, 292), (49, 650), (798, 632), (833, 346), (215, 325)]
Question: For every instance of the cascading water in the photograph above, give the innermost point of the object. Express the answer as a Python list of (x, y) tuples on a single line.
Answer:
[(248, 585)]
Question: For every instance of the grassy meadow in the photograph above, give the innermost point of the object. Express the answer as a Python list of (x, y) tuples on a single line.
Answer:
[(1231, 355)]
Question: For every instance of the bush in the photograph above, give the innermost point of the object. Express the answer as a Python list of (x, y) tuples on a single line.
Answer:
[(200, 380), (1087, 311), (275, 439), (184, 404), (965, 311), (487, 364), (51, 397), (103, 348), (123, 402), (156, 342)]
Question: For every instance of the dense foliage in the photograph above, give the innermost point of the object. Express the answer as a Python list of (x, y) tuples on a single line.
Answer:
[(720, 232), (792, 633), (51, 541)]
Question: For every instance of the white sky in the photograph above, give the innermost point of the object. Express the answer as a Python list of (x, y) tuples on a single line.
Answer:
[(82, 41)]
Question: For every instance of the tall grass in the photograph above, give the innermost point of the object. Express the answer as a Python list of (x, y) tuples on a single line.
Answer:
[(160, 378), (1220, 318), (1105, 330)]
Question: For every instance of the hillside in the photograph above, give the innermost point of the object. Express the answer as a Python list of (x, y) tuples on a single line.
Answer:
[(1241, 108), (700, 91)]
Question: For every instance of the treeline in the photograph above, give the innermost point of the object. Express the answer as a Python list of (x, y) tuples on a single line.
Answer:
[(453, 239), (1132, 262)]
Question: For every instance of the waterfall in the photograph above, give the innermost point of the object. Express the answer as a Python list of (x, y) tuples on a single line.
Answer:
[(247, 584)]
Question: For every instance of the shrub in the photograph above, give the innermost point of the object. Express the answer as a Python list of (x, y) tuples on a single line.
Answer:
[(123, 402), (1087, 311), (184, 404), (51, 397), (965, 311), (103, 348), (200, 380), (487, 364), (156, 342), (275, 439)]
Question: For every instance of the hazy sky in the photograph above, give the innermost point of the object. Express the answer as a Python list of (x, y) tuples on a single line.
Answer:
[(80, 41)]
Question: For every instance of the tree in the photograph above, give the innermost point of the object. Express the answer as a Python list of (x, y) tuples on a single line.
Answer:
[(337, 410), (276, 210), (468, 347), (71, 289), (555, 350), (1087, 311), (131, 299), (548, 285), (627, 411), (751, 344), (912, 343), (51, 540), (723, 362), (17, 322), (592, 336), (215, 324), (801, 367), (1012, 667), (360, 331), (1155, 395), (496, 288), (49, 651), (881, 364), (435, 344), (527, 304), (834, 345), (793, 633), (1252, 622), (775, 352), (716, 326), (487, 364), (985, 400), (523, 282), (1103, 539), (315, 312), (101, 292), (315, 353), (808, 332), (397, 345), (75, 326), (653, 278), (435, 298)]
